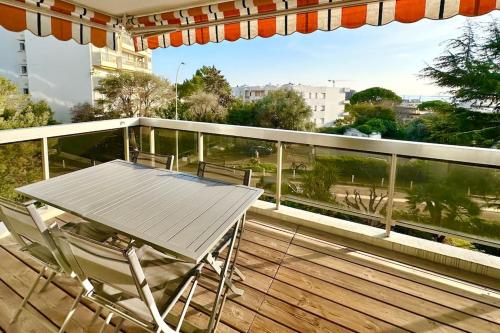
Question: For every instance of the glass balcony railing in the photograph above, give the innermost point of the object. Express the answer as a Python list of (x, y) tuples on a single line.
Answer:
[(423, 188)]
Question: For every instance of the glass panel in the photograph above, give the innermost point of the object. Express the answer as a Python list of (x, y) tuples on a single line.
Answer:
[(139, 137), (20, 164), (75, 152), (349, 183), (165, 143), (258, 155), (456, 197)]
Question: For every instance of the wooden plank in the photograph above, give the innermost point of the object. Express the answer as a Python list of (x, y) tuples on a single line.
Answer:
[(263, 324), (9, 301), (402, 300), (264, 240), (261, 251), (372, 307), (296, 318), (277, 229), (456, 302), (331, 311)]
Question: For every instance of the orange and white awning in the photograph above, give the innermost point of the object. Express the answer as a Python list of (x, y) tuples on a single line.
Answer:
[(216, 21)]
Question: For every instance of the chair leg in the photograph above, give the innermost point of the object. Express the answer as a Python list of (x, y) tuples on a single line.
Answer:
[(71, 311), (106, 322), (186, 306), (239, 273), (119, 324), (95, 316), (26, 298), (48, 281)]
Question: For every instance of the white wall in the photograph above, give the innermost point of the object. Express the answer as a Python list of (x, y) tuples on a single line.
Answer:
[(11, 58), (58, 72)]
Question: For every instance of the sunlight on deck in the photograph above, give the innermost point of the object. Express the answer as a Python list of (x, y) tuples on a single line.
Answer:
[(296, 280)]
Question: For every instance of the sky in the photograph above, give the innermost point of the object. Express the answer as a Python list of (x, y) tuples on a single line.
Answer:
[(389, 56)]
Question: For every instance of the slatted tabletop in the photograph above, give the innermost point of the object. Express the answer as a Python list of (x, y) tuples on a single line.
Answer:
[(178, 212)]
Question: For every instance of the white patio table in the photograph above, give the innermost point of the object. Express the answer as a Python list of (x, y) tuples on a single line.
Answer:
[(178, 213)]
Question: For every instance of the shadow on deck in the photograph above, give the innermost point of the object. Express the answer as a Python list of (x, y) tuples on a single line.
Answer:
[(296, 280)]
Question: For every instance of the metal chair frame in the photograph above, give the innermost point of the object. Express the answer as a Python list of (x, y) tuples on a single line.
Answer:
[(145, 294), (29, 210), (136, 153), (212, 259)]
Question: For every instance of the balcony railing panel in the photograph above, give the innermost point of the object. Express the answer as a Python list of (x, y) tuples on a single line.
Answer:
[(290, 161)]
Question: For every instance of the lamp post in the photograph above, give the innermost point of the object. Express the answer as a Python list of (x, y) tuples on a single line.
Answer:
[(177, 118), (332, 82), (176, 95)]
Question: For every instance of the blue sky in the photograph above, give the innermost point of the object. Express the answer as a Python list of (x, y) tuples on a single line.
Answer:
[(389, 56)]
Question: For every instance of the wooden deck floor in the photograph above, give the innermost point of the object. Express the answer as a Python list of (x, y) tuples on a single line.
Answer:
[(296, 280)]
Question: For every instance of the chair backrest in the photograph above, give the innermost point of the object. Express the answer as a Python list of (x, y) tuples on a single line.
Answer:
[(224, 173), (27, 226), (153, 160), (19, 222), (97, 261)]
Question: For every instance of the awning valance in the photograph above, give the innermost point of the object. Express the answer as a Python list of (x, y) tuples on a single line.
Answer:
[(61, 19), (218, 21)]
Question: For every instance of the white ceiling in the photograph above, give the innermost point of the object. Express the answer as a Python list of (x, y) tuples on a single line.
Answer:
[(135, 7)]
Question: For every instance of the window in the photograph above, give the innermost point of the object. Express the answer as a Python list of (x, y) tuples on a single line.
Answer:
[(22, 47), (310, 95), (24, 69), (322, 121), (26, 91), (316, 96), (322, 108), (324, 95), (315, 108)]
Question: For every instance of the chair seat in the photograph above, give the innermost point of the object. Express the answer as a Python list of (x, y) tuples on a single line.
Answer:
[(89, 230), (164, 274), (43, 254)]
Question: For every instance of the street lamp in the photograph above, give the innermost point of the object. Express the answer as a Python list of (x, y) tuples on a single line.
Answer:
[(333, 82), (176, 95)]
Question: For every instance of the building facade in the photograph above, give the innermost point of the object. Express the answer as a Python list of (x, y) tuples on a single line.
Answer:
[(327, 103), (63, 73)]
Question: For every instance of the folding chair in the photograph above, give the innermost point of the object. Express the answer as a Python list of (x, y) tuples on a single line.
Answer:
[(231, 175), (30, 231), (137, 284), (153, 160)]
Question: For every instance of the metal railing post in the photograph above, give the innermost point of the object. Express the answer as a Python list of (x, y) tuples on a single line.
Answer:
[(152, 147), (390, 198), (126, 148), (279, 167), (200, 146), (176, 150), (45, 158)]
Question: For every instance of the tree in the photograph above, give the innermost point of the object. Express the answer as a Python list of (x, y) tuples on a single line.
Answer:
[(435, 106), (85, 112), (241, 113), (133, 94), (375, 95), (20, 163), (470, 67), (369, 118), (205, 107), (284, 109), (210, 80)]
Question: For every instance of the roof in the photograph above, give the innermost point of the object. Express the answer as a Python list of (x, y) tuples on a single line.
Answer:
[(158, 23)]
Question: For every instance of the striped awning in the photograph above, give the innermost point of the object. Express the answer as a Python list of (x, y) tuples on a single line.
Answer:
[(231, 20)]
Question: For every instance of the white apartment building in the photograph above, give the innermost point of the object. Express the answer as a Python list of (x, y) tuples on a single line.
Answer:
[(327, 103), (63, 73)]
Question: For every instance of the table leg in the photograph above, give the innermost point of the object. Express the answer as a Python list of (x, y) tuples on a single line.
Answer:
[(217, 309)]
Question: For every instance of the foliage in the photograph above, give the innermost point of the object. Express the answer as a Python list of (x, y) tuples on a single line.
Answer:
[(203, 106), (375, 95), (369, 118), (130, 94), (456, 126), (283, 109), (21, 163), (210, 80), (435, 106), (318, 182), (18, 110), (241, 113), (85, 112), (470, 66)]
